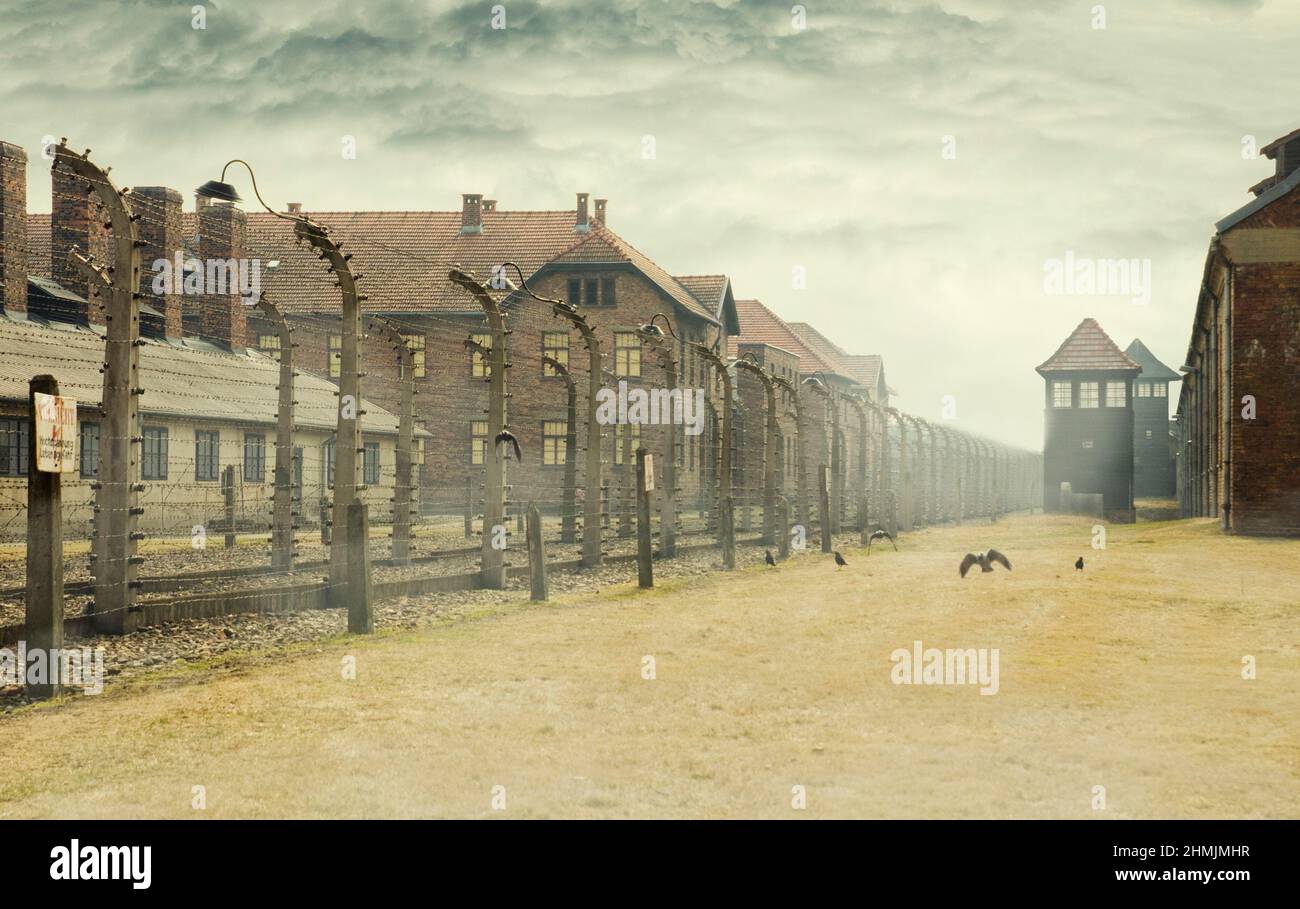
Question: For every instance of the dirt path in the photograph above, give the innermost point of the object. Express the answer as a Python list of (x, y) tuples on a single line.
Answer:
[(1127, 676)]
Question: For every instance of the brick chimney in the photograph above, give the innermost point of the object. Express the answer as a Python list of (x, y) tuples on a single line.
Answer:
[(293, 208), (601, 206), (159, 211), (471, 213), (13, 229), (77, 219), (582, 223), (489, 205), (223, 232)]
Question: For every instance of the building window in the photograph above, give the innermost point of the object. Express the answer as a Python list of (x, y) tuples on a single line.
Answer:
[(269, 345), (335, 355), (627, 353), (555, 344), (619, 429), (607, 292), (1116, 394), (553, 439), (153, 461), (575, 292), (1089, 394), (478, 364), (1087, 443), (1062, 393), (1148, 433), (13, 447), (478, 442), (1144, 389), (207, 459), (416, 345), (254, 457), (89, 450), (589, 286), (1161, 389), (370, 464)]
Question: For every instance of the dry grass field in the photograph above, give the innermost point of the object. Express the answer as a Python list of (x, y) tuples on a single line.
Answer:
[(1127, 675)]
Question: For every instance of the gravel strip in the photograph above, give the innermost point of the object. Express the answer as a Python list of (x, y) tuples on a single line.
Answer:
[(198, 640)]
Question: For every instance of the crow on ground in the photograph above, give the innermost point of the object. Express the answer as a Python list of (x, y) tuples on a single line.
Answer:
[(1079, 564), (767, 557), (839, 560)]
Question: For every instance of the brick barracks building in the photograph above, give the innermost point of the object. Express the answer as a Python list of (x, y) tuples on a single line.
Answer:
[(209, 404), (403, 259), (1239, 409), (573, 255)]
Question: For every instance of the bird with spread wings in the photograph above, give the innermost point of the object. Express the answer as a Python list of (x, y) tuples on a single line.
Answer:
[(985, 560)]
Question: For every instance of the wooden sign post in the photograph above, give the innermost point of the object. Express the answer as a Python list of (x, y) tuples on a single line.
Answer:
[(52, 451)]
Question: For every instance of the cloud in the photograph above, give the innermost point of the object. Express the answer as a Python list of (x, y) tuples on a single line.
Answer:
[(819, 147)]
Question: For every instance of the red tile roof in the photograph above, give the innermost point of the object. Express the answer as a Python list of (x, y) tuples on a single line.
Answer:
[(865, 368), (404, 256), (861, 368), (38, 245), (708, 289), (601, 244), (1088, 348), (759, 325)]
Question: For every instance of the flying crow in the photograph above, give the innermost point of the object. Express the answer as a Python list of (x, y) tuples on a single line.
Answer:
[(506, 435), (1079, 564), (839, 560), (880, 535), (984, 560), (767, 557)]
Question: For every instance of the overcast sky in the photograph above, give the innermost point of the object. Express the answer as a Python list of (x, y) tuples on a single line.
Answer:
[(822, 147)]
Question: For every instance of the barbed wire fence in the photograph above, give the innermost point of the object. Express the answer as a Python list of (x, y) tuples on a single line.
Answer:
[(488, 416)]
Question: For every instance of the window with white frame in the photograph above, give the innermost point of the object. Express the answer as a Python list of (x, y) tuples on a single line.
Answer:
[(1116, 394), (1089, 394), (1062, 394), (554, 436)]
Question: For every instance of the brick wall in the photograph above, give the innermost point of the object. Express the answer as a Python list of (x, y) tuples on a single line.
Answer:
[(1265, 452), (13, 228), (450, 399), (158, 209), (222, 235)]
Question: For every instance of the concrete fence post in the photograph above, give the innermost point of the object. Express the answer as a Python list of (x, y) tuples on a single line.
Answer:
[(469, 508), (401, 502), (117, 485), (783, 528), (538, 590), (824, 504), (361, 618), (282, 504), (228, 493), (644, 552)]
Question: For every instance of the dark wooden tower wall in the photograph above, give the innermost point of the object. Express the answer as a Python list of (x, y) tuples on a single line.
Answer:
[(1089, 421), (1153, 457), (1091, 448)]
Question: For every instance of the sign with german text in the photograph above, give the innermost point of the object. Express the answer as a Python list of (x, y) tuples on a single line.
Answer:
[(56, 433)]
